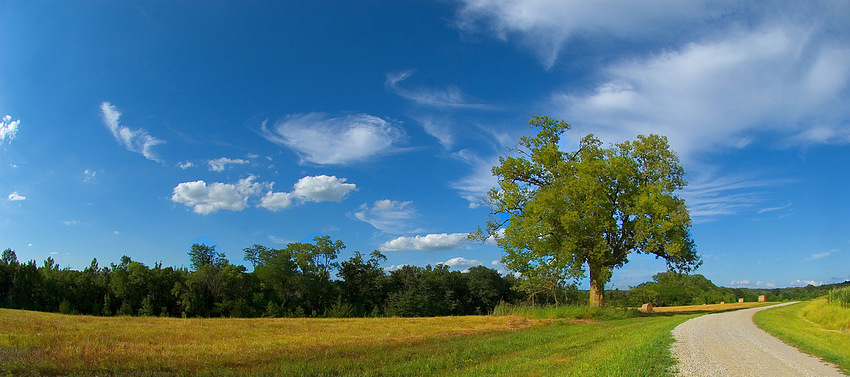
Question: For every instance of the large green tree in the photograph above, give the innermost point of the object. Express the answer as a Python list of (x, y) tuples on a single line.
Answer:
[(561, 215)]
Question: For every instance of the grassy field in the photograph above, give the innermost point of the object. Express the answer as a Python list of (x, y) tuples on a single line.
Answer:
[(50, 344), (815, 327), (709, 308)]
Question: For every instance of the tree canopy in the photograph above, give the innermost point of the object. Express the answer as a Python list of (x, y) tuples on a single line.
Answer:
[(560, 215)]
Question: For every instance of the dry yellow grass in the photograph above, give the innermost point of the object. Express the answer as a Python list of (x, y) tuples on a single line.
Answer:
[(57, 342), (708, 308)]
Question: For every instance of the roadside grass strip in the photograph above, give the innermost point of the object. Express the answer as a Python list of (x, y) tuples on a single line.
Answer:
[(815, 327), (34, 343)]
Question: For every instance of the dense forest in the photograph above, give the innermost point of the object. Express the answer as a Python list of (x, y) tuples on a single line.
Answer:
[(306, 280)]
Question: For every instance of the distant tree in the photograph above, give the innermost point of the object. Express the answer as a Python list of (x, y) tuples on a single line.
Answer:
[(8, 267), (9, 257), (363, 283), (201, 255), (567, 214), (486, 289)]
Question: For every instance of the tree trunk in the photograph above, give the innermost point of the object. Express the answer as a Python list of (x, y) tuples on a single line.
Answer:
[(597, 286)]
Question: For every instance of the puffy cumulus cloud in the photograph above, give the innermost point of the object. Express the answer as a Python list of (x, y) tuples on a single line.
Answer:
[(14, 196), (394, 267), (89, 176), (276, 201), (461, 263), (386, 215), (429, 242), (323, 188), (185, 165), (220, 164), (137, 140), (8, 128), (320, 188), (321, 139), (209, 198), (545, 26), (803, 283)]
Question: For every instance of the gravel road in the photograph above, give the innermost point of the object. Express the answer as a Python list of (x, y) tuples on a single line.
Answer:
[(730, 344)]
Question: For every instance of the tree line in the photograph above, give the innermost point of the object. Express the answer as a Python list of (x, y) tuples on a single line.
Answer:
[(299, 280), (306, 280)]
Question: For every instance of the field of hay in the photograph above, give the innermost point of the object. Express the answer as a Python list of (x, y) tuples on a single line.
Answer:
[(58, 343), (34, 343)]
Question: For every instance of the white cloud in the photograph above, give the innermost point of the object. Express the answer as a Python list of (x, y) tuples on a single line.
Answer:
[(321, 139), (773, 209), (185, 165), (822, 255), (722, 92), (220, 164), (89, 176), (8, 128), (321, 188), (475, 186), (722, 74), (71, 222), (138, 140), (206, 199), (440, 127), (461, 263), (388, 216), (709, 197), (545, 26), (276, 201), (394, 267), (740, 282), (803, 283), (429, 242), (16, 197), (450, 97)]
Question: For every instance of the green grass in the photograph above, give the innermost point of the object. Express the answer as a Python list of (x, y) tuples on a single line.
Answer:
[(840, 296), (815, 327), (568, 312), (52, 344)]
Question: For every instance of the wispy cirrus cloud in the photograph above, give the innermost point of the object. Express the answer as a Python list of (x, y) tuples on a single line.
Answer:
[(15, 197), (137, 140), (388, 216), (716, 74), (821, 255), (711, 197), (722, 93), (546, 26), (326, 140), (450, 97), (474, 186)]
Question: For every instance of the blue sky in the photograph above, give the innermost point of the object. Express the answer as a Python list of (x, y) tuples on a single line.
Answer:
[(138, 128)]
